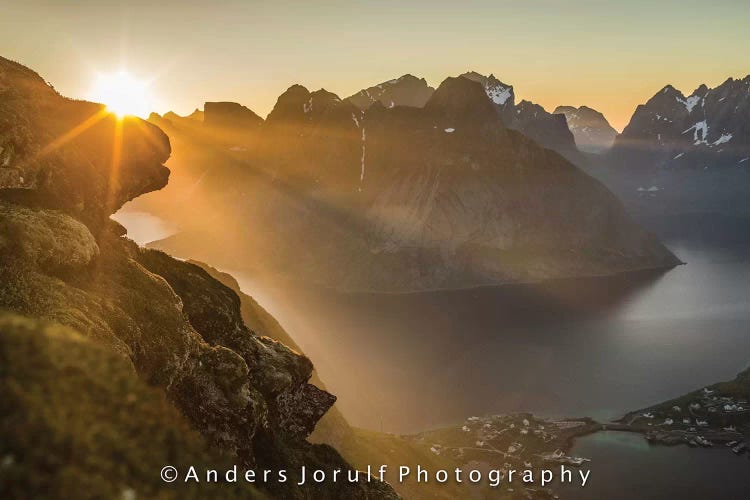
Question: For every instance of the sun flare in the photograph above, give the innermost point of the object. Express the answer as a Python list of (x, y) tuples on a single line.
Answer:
[(123, 94)]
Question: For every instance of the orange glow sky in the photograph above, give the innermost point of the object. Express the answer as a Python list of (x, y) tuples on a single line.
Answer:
[(605, 54)]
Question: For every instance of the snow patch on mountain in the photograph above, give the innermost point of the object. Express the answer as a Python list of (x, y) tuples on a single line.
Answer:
[(700, 132), (498, 93), (723, 139), (690, 102), (362, 171)]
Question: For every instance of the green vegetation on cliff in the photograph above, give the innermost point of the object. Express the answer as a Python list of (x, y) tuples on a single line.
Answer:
[(77, 422)]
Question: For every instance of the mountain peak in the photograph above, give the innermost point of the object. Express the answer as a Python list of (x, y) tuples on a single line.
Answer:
[(500, 93), (196, 115), (406, 90), (704, 129), (591, 130), (462, 98), (230, 114), (669, 89), (290, 105), (701, 91)]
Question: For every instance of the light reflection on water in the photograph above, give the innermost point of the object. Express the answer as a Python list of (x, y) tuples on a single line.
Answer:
[(597, 347)]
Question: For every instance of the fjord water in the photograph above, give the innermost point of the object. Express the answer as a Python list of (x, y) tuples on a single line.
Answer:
[(624, 466), (597, 346), (143, 227), (594, 346)]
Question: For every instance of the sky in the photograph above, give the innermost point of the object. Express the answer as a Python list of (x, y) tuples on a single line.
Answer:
[(609, 55)]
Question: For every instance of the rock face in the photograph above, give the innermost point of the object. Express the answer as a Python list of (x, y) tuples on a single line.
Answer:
[(409, 198), (530, 119), (684, 154), (407, 90), (43, 160), (178, 329), (709, 128), (229, 115), (592, 131)]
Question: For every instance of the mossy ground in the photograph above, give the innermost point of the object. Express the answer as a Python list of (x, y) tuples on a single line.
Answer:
[(77, 422)]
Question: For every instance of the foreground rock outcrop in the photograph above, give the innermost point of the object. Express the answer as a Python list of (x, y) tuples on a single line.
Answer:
[(169, 322), (77, 422)]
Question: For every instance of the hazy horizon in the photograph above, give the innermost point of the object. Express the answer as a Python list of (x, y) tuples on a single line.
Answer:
[(607, 55)]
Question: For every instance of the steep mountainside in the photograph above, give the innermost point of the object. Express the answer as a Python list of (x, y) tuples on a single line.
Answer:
[(528, 118), (402, 198), (709, 128), (682, 155), (436, 449), (532, 120), (70, 166), (592, 131)]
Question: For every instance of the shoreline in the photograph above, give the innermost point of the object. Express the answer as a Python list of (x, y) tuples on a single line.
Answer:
[(276, 278)]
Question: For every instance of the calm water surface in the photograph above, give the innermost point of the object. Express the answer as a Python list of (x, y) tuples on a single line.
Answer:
[(625, 467), (596, 347)]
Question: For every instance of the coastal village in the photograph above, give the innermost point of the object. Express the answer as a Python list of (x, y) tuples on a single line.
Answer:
[(705, 418), (715, 416), (516, 442)]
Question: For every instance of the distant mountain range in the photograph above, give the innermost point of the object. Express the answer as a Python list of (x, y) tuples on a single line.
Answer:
[(407, 90), (397, 197), (528, 118), (532, 120), (709, 128), (684, 154), (592, 131)]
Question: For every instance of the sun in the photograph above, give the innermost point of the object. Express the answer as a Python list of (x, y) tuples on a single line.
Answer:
[(122, 93)]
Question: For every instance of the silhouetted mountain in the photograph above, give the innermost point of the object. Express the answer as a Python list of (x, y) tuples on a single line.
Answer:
[(196, 116), (532, 120), (407, 90), (592, 131), (528, 118), (229, 115), (406, 198)]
